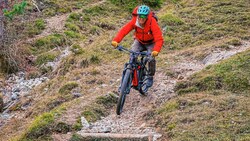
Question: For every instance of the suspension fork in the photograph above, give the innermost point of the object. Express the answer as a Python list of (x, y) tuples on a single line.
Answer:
[(126, 67)]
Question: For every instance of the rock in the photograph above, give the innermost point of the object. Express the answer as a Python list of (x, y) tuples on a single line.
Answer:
[(77, 95), (14, 96), (106, 130), (84, 122)]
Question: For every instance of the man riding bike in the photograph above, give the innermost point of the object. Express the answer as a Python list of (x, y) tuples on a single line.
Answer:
[(147, 37)]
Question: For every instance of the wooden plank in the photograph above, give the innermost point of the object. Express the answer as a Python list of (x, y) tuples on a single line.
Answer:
[(117, 137)]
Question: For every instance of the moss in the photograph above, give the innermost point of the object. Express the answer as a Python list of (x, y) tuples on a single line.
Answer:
[(68, 87)]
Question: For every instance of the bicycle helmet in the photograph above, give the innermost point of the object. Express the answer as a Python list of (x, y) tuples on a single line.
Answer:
[(143, 10)]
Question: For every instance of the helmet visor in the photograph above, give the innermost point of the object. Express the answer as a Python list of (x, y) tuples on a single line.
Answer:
[(143, 16)]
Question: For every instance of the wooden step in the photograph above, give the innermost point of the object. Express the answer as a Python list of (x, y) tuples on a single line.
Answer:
[(115, 137)]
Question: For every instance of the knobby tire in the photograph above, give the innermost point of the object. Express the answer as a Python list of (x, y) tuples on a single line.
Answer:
[(125, 86), (142, 78)]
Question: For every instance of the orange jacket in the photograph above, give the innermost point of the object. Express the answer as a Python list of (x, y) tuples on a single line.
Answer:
[(150, 34)]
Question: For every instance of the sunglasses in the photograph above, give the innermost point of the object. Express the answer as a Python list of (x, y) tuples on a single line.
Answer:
[(143, 16)]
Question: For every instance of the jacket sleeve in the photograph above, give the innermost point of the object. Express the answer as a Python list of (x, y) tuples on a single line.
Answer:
[(157, 34), (124, 31)]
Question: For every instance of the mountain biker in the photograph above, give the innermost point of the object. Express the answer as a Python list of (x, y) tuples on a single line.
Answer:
[(147, 37)]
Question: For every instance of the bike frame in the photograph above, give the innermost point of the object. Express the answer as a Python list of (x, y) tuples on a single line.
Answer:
[(133, 75), (136, 68)]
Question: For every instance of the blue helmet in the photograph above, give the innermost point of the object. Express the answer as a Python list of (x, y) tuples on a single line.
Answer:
[(143, 10)]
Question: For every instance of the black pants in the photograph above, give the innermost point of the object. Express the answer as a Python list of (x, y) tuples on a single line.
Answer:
[(138, 47)]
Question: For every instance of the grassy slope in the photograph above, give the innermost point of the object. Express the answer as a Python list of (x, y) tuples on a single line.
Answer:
[(212, 104), (187, 26), (89, 35)]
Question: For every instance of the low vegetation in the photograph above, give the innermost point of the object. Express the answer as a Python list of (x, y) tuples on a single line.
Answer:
[(218, 115), (212, 104), (193, 23), (229, 75), (216, 98), (100, 107)]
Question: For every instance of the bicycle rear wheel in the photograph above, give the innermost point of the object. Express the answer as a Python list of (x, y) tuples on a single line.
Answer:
[(125, 88)]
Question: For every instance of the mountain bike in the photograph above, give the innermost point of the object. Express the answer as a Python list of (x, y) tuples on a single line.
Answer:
[(134, 75)]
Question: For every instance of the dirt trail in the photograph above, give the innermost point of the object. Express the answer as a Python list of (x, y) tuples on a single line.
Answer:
[(131, 120)]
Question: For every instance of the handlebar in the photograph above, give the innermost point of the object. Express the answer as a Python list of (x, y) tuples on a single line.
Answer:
[(121, 48)]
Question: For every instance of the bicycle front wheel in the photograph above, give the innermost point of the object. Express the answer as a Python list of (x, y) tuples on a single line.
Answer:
[(142, 79), (125, 88)]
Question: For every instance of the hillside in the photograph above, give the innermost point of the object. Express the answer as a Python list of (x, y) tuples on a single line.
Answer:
[(66, 86)]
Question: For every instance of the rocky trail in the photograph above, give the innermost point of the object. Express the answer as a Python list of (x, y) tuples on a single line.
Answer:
[(131, 121)]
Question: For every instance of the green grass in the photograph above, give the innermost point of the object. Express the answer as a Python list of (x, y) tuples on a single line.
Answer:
[(47, 43), (54, 7), (68, 87), (36, 27), (230, 75), (193, 23), (203, 116), (46, 57), (129, 5), (43, 126), (99, 108)]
